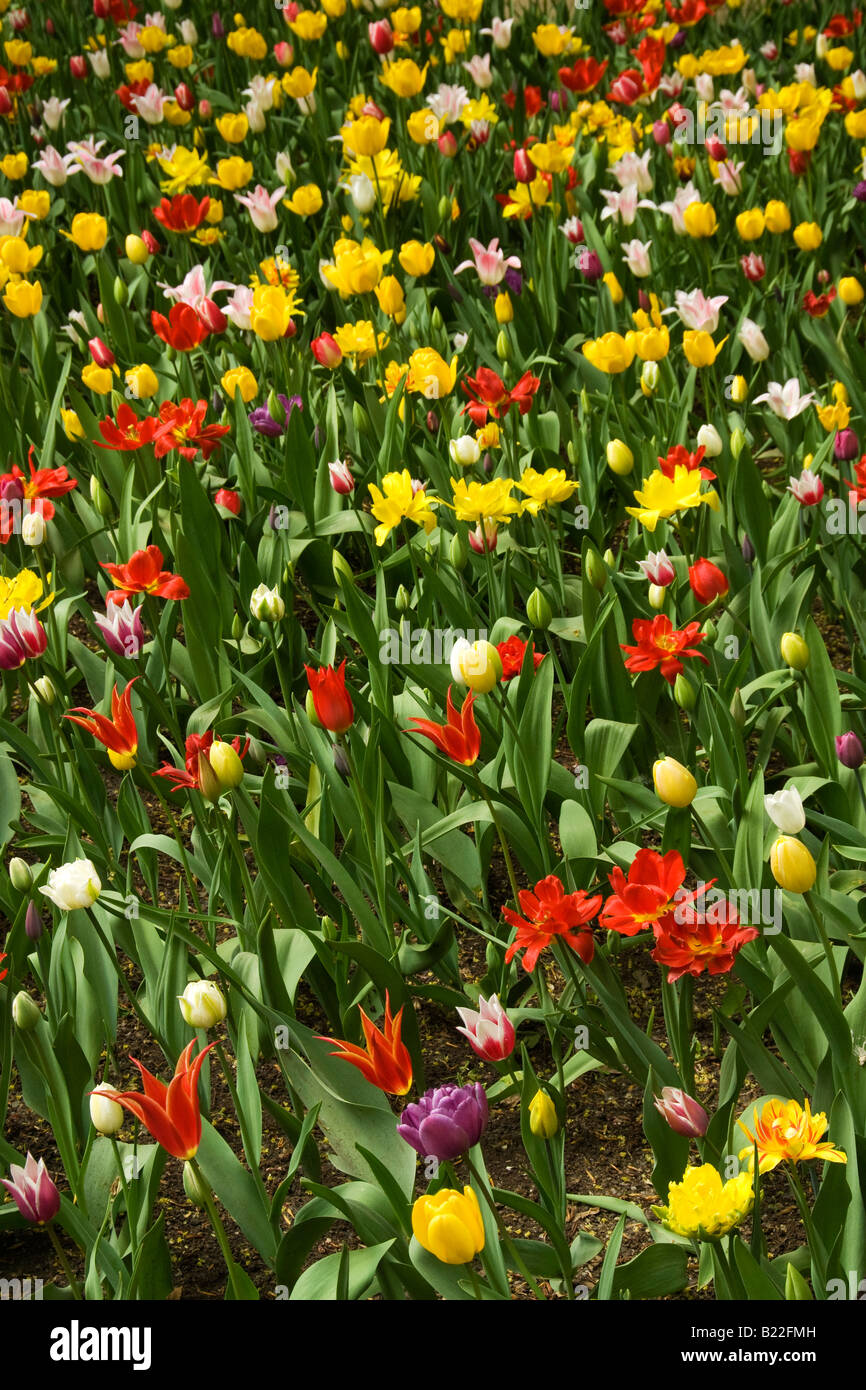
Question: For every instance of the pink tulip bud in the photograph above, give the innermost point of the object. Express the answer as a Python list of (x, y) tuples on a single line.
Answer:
[(716, 149), (684, 1115), (78, 66), (447, 144), (205, 110), (341, 477), (661, 132), (381, 37), (284, 54), (101, 354), (490, 1031), (524, 169)]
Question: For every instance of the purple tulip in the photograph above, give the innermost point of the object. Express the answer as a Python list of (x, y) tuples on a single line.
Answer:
[(121, 629), (263, 421), (514, 279), (32, 922), (859, 191), (445, 1122), (846, 446), (683, 1114), (849, 751), (590, 266), (748, 550), (217, 27), (35, 1195)]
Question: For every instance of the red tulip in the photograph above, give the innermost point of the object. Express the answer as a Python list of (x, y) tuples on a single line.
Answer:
[(118, 734), (182, 330), (460, 738), (225, 497), (326, 350), (707, 581), (331, 700), (78, 66), (172, 1113), (143, 574), (385, 1061)]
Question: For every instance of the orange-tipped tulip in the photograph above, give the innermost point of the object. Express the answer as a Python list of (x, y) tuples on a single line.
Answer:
[(118, 733), (385, 1061), (460, 738), (172, 1113)]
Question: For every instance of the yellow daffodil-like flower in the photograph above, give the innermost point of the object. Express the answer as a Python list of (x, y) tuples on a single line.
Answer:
[(366, 135), (22, 299), (489, 436), (479, 502), (305, 201), (359, 341), (186, 169), (544, 488), (526, 198), (551, 39), (399, 501), (481, 109), (662, 496), (299, 83), (247, 43), (417, 257), (750, 224), (153, 39), (699, 347), (233, 173), (23, 590), (394, 374), (610, 353), (271, 312), (14, 166), (702, 1207), (551, 157), (89, 231), (391, 299), (786, 1131), (403, 77), (462, 11), (240, 379), (308, 24), (36, 201), (387, 175), (835, 416), (430, 375), (277, 272), (699, 220), (357, 267)]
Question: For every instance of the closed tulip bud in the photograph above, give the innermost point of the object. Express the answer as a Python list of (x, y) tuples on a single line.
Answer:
[(595, 570), (674, 784), (447, 144), (620, 459), (33, 530), (738, 709), (32, 923), (208, 783), (739, 390), (341, 479), (194, 1186), (276, 409), (20, 875), (326, 350), (849, 750), (106, 1115), (850, 290), (503, 346), (458, 552), (710, 441), (683, 1114), (710, 632), (310, 710), (792, 865), (78, 66), (785, 809), (184, 96), (151, 242), (237, 627), (684, 693), (649, 378), (464, 450), (402, 599), (266, 605), (503, 308), (794, 651), (609, 559), (846, 446), (227, 765), (45, 690), (656, 596), (524, 169), (437, 323), (444, 208), (542, 1116), (99, 497), (738, 442), (121, 292), (101, 353), (202, 1004), (539, 611), (25, 1012)]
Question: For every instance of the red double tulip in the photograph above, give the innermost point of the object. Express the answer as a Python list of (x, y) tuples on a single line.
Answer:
[(172, 1113), (331, 699)]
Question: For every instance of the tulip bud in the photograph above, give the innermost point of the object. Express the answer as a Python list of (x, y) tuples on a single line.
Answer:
[(685, 693), (649, 378), (208, 782), (227, 765), (45, 690), (503, 309), (738, 442), (447, 144), (710, 441), (849, 751), (202, 1004), (656, 596), (794, 651), (674, 784), (609, 559), (444, 208), (310, 710), (542, 1116), (402, 599), (106, 1115), (748, 550), (99, 497), (458, 552), (33, 530), (20, 875), (738, 709), (739, 389), (326, 350), (539, 611), (101, 353), (276, 409), (121, 292), (341, 478), (266, 605), (194, 1187), (503, 346), (524, 169), (360, 418), (620, 459), (683, 1114), (792, 865), (710, 632), (32, 923), (595, 570), (25, 1012), (184, 96)]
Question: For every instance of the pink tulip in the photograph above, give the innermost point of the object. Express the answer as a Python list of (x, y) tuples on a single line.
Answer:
[(490, 1031), (490, 263), (684, 1115), (658, 568), (35, 1194)]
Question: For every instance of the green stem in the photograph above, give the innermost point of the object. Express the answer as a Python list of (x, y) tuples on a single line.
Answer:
[(64, 1264), (825, 942), (507, 1242), (219, 1229)]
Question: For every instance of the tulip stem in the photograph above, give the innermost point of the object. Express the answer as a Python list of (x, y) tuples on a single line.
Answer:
[(812, 1239), (130, 1218), (507, 1242), (64, 1264), (825, 942), (218, 1227), (124, 983)]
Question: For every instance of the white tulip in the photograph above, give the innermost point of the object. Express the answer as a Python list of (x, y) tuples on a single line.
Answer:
[(785, 810), (73, 885)]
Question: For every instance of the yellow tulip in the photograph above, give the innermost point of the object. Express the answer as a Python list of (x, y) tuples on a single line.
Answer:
[(750, 224), (89, 231), (72, 426), (142, 381), (794, 651), (23, 299), (674, 784), (136, 249), (449, 1224), (699, 347), (850, 290), (392, 301), (792, 865), (97, 379), (403, 77), (808, 236), (542, 1116), (233, 127), (777, 217), (240, 379), (620, 458), (699, 220), (305, 201), (417, 257)]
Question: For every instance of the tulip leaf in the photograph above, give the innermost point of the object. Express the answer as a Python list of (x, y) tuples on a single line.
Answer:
[(320, 1283)]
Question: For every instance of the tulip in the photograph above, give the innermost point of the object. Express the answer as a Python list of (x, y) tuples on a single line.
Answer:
[(707, 581), (753, 266), (20, 875), (464, 450), (538, 610), (385, 1060), (171, 1112), (326, 351), (590, 266), (490, 1031), (685, 693), (850, 290), (620, 458), (203, 1003), (34, 1193), (74, 885), (105, 1114), (683, 1114), (794, 651), (341, 479), (475, 665), (846, 446), (849, 751), (26, 1013), (710, 441), (674, 784), (543, 1120), (332, 701), (792, 865), (658, 568), (229, 499), (266, 605), (785, 810), (226, 763), (753, 341), (449, 1225), (445, 1122)]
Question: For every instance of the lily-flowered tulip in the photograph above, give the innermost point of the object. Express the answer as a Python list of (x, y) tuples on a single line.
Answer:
[(35, 1195), (385, 1060), (490, 263), (786, 401), (446, 1122), (489, 1029), (119, 733), (460, 738), (683, 1114), (172, 1113), (261, 206)]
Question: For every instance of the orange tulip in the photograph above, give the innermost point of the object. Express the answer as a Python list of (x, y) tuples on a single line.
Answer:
[(385, 1061)]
